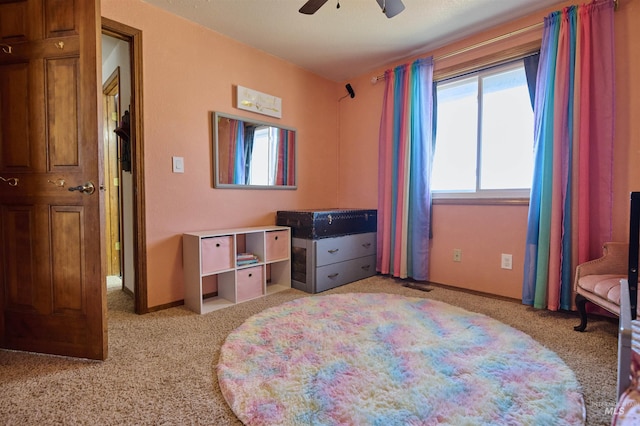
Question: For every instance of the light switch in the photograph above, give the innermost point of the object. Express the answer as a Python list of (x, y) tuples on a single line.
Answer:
[(178, 164)]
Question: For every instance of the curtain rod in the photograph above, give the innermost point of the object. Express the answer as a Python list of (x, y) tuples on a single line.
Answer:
[(377, 78)]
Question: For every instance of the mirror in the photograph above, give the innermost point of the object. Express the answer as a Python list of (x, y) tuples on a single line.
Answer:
[(253, 154)]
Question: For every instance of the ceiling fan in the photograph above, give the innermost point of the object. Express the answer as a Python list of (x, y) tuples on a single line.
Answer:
[(389, 7)]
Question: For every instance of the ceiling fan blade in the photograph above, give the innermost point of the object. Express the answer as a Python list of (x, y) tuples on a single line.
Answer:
[(391, 7), (312, 6)]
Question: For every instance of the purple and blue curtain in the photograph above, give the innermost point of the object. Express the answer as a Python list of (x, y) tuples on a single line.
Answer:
[(241, 138), (570, 209), (249, 134), (405, 157)]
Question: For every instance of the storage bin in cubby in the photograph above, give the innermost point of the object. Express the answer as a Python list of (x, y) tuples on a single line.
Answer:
[(250, 283), (277, 245), (217, 254)]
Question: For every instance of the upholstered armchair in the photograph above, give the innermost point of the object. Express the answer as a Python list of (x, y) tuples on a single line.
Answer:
[(598, 281)]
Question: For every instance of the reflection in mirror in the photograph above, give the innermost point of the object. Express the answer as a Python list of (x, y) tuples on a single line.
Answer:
[(251, 153)]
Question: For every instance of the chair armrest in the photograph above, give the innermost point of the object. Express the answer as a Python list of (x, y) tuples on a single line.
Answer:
[(615, 260)]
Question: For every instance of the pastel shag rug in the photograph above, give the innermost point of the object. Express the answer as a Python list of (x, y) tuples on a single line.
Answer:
[(383, 359)]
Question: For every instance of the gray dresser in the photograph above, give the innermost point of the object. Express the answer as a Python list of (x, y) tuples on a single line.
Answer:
[(330, 247)]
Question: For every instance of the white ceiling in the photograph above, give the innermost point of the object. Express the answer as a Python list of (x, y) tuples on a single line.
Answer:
[(357, 38)]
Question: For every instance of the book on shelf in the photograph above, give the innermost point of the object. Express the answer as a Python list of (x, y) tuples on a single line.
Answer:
[(246, 259), (245, 256)]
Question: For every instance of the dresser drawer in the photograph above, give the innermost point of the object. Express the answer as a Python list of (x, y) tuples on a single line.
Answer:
[(337, 274), (217, 254), (249, 283), (364, 267), (276, 245), (340, 249)]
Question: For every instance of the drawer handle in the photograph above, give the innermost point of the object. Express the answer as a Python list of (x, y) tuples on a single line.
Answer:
[(276, 237), (366, 267), (332, 276), (250, 275), (217, 244), (333, 251), (366, 245)]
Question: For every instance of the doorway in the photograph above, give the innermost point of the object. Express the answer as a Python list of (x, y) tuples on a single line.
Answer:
[(123, 160), (116, 102), (116, 159)]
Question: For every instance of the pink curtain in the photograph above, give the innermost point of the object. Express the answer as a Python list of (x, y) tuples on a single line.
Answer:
[(286, 165), (595, 127)]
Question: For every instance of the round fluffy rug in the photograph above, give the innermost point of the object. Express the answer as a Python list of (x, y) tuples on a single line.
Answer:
[(382, 359)]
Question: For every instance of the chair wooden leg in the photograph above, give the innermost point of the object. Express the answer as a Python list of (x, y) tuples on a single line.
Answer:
[(581, 303)]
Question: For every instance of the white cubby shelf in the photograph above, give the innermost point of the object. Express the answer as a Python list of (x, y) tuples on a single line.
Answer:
[(214, 280)]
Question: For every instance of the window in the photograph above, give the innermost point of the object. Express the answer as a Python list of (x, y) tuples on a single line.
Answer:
[(484, 140), (265, 143)]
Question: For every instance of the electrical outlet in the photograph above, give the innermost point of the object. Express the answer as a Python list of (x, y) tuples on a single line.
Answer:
[(457, 255), (507, 261)]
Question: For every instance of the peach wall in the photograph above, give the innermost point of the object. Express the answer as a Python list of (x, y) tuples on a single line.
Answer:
[(627, 140), (189, 72), (484, 232)]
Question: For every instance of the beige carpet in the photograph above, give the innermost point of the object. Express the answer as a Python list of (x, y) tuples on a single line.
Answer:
[(161, 365)]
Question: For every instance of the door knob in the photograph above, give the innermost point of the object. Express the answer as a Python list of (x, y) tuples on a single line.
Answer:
[(87, 188)]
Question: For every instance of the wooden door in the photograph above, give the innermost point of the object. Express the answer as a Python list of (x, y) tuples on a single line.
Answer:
[(112, 174), (52, 289)]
